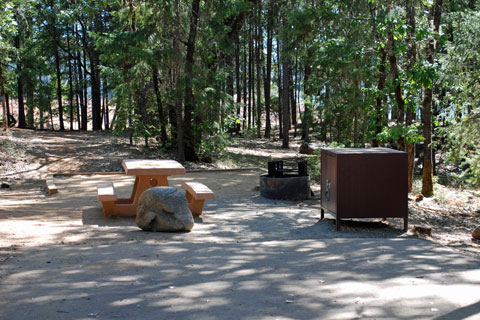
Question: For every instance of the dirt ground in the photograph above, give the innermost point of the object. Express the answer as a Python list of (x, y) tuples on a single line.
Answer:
[(452, 214), (247, 257)]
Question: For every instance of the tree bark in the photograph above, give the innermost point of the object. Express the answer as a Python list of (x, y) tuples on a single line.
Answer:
[(286, 80), (293, 104), (237, 81), (245, 89), (308, 113), (190, 153), (56, 39), (96, 91), (382, 75), (427, 174), (84, 81), (268, 73), (77, 89), (258, 58), (411, 60), (286, 103), (251, 97), (106, 115), (59, 88), (70, 79), (21, 105), (280, 92), (398, 87), (356, 101), (4, 106), (161, 117)]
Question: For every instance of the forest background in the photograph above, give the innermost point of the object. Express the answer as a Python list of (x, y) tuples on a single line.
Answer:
[(185, 74)]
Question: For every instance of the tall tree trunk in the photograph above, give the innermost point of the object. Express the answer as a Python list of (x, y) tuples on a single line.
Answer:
[(382, 75), (179, 113), (251, 82), (70, 79), (398, 87), (21, 105), (293, 105), (95, 81), (107, 111), (245, 89), (59, 89), (258, 58), (237, 81), (286, 102), (4, 106), (9, 114), (286, 79), (56, 40), (411, 60), (308, 113), (190, 153), (83, 85), (30, 105), (356, 101), (268, 74), (427, 174), (77, 88), (96, 92), (161, 117), (280, 91)]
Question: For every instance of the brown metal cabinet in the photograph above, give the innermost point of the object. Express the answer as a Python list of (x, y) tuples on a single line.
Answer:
[(365, 183)]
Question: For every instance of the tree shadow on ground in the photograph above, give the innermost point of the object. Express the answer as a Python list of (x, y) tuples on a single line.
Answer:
[(246, 258), (158, 278)]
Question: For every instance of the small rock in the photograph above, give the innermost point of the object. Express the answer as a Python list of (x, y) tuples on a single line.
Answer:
[(422, 231), (476, 234), (305, 149), (5, 185)]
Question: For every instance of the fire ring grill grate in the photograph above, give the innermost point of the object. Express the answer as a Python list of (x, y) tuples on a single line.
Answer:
[(285, 183)]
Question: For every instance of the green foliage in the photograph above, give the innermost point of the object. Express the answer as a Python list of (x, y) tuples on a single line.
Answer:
[(314, 167), (214, 145), (8, 28), (335, 50), (232, 121), (410, 133), (462, 148)]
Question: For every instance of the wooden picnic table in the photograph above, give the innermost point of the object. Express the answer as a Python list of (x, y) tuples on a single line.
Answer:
[(148, 174)]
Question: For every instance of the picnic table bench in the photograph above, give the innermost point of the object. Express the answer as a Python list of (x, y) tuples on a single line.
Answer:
[(196, 194)]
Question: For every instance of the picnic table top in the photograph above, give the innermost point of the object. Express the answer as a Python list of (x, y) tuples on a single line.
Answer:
[(140, 167)]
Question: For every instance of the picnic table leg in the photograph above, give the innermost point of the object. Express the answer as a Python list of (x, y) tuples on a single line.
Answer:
[(108, 208), (132, 196), (196, 206), (147, 182)]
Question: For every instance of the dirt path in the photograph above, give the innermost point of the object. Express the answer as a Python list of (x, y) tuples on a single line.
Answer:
[(247, 257), (452, 214)]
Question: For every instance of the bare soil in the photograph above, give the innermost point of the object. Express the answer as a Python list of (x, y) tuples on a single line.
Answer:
[(27, 156)]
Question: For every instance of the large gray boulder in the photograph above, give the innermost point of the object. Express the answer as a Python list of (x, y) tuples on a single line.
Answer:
[(163, 209)]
